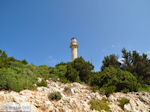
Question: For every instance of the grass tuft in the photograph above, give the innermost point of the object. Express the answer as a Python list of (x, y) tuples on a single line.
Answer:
[(122, 102), (100, 105), (55, 96)]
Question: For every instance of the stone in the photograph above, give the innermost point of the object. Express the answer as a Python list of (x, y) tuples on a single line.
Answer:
[(127, 108), (76, 99)]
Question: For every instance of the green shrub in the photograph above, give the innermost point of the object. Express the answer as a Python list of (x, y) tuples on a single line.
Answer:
[(111, 60), (94, 88), (55, 96), (144, 88), (71, 74), (114, 80), (125, 90), (42, 83), (43, 71), (12, 79), (109, 90), (84, 68), (122, 102), (64, 80), (100, 105), (24, 62)]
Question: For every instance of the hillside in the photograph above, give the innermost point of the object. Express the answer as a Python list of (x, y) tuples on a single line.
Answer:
[(74, 86), (75, 98)]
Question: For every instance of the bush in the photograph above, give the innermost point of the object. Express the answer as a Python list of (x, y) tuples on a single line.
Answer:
[(109, 90), (111, 60), (94, 88), (144, 88), (55, 96), (114, 80), (71, 74), (42, 83), (125, 90), (100, 105), (84, 68), (43, 71), (122, 102), (16, 79), (24, 62)]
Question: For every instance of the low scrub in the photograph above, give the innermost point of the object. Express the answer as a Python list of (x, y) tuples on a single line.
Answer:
[(95, 88), (144, 88), (55, 96), (100, 105), (122, 102), (114, 80), (42, 83)]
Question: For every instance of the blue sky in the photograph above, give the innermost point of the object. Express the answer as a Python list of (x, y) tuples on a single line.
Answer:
[(40, 30)]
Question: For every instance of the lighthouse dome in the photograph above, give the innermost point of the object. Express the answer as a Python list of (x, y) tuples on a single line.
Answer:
[(74, 40)]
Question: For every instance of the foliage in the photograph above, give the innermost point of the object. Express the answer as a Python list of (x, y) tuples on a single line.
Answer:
[(100, 105), (111, 60), (109, 90), (132, 74), (3, 59), (11, 80), (55, 96), (24, 62), (94, 88), (58, 73), (144, 88), (42, 83), (138, 65), (133, 62), (114, 79), (43, 71), (84, 68), (122, 102), (71, 74)]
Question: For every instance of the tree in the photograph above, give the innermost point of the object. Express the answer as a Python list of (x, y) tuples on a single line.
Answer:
[(12, 59), (114, 80), (84, 68), (0, 51), (137, 64), (24, 62), (4, 59), (111, 60), (71, 74)]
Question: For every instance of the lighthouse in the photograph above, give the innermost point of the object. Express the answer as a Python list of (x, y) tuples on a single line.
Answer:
[(74, 47)]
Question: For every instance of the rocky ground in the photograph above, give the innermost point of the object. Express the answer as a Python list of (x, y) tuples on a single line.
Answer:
[(74, 100)]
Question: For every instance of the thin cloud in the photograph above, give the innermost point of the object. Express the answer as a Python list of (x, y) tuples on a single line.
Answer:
[(113, 46), (52, 61)]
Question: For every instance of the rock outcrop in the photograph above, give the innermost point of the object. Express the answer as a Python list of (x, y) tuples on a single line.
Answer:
[(75, 98)]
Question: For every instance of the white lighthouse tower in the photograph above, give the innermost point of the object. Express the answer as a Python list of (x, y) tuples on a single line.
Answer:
[(74, 47)]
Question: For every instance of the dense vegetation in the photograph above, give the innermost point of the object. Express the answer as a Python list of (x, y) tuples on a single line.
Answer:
[(132, 74)]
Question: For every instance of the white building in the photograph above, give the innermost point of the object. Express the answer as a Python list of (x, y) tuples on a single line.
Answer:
[(74, 47)]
